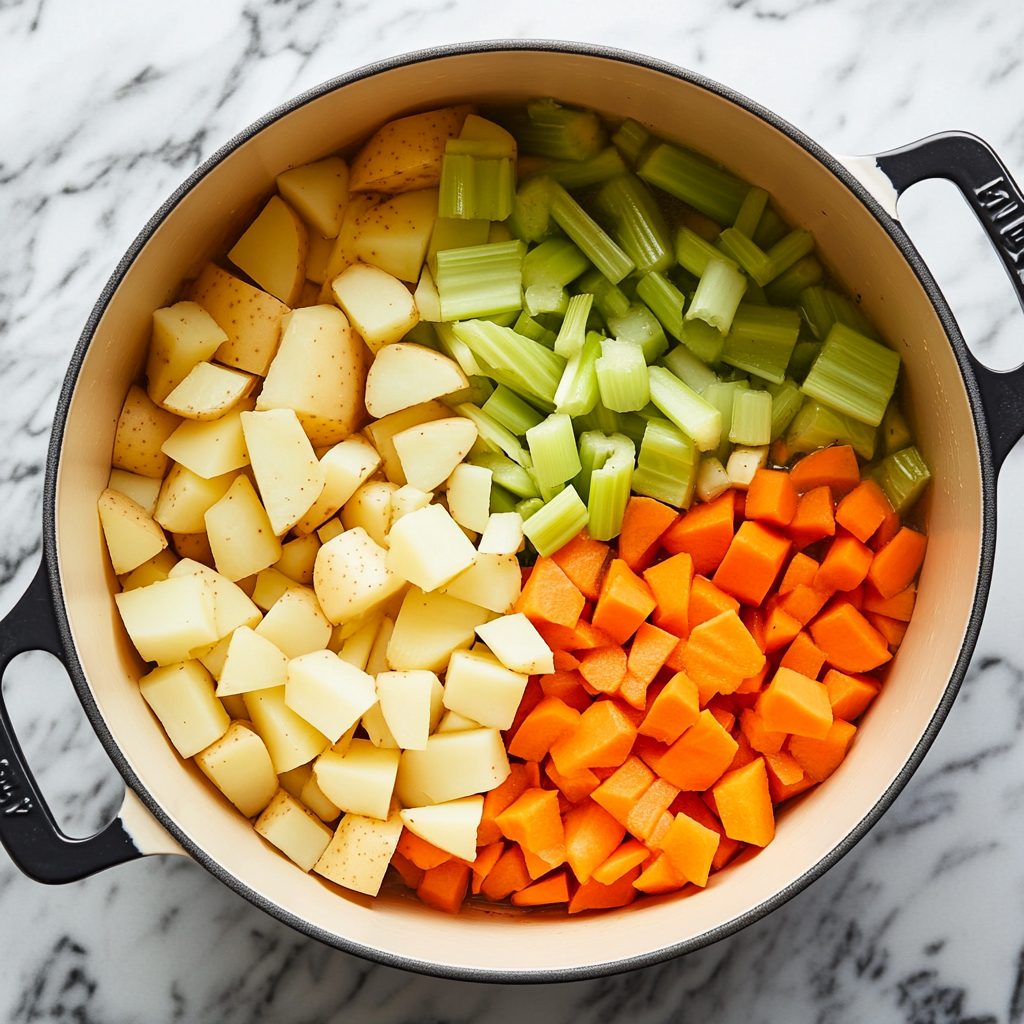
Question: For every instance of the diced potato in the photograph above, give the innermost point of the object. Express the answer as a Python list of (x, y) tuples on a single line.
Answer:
[(405, 704), (298, 558), (361, 781), (313, 797), (272, 251), (377, 662), (479, 687), (295, 831), (380, 307), (343, 253), (317, 255), (429, 452), (356, 648), (211, 448), (406, 153), (382, 431), (345, 466), (377, 729), (183, 335), (132, 536), (449, 826), (143, 489), (213, 658), (141, 431), (331, 529), (743, 464), (493, 581), (328, 693), (408, 499), (193, 545), (271, 583), (370, 509), (295, 780), (393, 236), (480, 129), (319, 373), (503, 534), (251, 318), (429, 627), (453, 765), (351, 576), (403, 375), (234, 706), (428, 548), (186, 498), (428, 302), (517, 644), (290, 739), (360, 852), (208, 392), (168, 619), (181, 696), (239, 766), (469, 496), (251, 662), (296, 624), (241, 536), (451, 722), (318, 193), (153, 571), (231, 606)]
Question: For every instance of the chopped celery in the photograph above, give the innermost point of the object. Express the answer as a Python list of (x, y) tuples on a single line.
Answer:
[(557, 132), (587, 234), (578, 173), (605, 480), (609, 300), (693, 252), (578, 392), (749, 216), (495, 435), (630, 139), (475, 184), (895, 432), (666, 465), (573, 331), (553, 450), (530, 220), (738, 247), (480, 280), (556, 261), (786, 288), (545, 298), (817, 426), (511, 411), (718, 294), (503, 319), (903, 476), (755, 293), (703, 340), (457, 349), (641, 327), (529, 507), (751, 418), (557, 522), (664, 300), (804, 354), (786, 402), (622, 376), (529, 328), (722, 396), (600, 418), (502, 500), (686, 176), (477, 392), (689, 369), (685, 408), (823, 307), (450, 233), (637, 223), (507, 474), (771, 228), (853, 374), (784, 253), (761, 340), (423, 333)]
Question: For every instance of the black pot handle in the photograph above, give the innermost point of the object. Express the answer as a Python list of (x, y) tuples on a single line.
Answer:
[(987, 185), (27, 828)]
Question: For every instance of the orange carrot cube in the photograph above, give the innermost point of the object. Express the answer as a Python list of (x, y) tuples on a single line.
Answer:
[(629, 855), (699, 757), (660, 877), (814, 520), (845, 565), (803, 656), (584, 561), (508, 875), (567, 687), (771, 498), (602, 739), (795, 704), (850, 695), (834, 467), (763, 740), (550, 596), (745, 804), (444, 887), (534, 822), (670, 583), (707, 601), (752, 562), (895, 566), (575, 787), (548, 721), (704, 532), (673, 711), (624, 603), (720, 654), (850, 642), (595, 895), (690, 848), (591, 836), (484, 864), (863, 510), (550, 890), (819, 758), (620, 791), (643, 523)]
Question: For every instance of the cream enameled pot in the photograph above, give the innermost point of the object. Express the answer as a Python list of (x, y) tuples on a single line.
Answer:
[(966, 420)]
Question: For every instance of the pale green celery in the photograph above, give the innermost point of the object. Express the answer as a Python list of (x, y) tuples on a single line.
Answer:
[(480, 280), (817, 426), (502, 500), (755, 293), (511, 411), (666, 465), (553, 450), (693, 252), (637, 223), (450, 233), (903, 476), (607, 466), (784, 253), (573, 332), (530, 220), (609, 300), (718, 295), (689, 411), (771, 228), (495, 435), (761, 340), (622, 376), (588, 235), (822, 307), (529, 507), (547, 493), (751, 418), (557, 522), (529, 328), (509, 475), (630, 140), (557, 132), (786, 288), (683, 279), (742, 250), (664, 300), (475, 186), (545, 298), (503, 319), (579, 173), (641, 327), (482, 148), (600, 418), (854, 375), (538, 368), (895, 432), (722, 396), (696, 181), (423, 333), (703, 340), (750, 213), (804, 354), (477, 393), (578, 392), (458, 350), (555, 260), (786, 402), (689, 369)]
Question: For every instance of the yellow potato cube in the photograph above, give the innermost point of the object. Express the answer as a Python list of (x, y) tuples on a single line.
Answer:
[(377, 729), (239, 766), (428, 302), (154, 570), (429, 627), (192, 545), (382, 431), (361, 781), (351, 576), (329, 693), (313, 797), (517, 644), (346, 466), (183, 335), (318, 193), (503, 534), (291, 740), (403, 375), (355, 649), (131, 534), (232, 607), (296, 832), (211, 448), (408, 499), (429, 452), (371, 509), (380, 307), (296, 624), (427, 548), (469, 496), (186, 498), (377, 662), (449, 826), (272, 251), (394, 236), (208, 392), (271, 584), (241, 536), (451, 722), (453, 765), (405, 703), (493, 581), (298, 558), (181, 697), (479, 687), (251, 662), (141, 431), (343, 253), (360, 852), (169, 618), (143, 489)]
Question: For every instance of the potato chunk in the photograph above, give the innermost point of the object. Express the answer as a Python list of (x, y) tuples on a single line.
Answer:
[(132, 536), (239, 766), (329, 693), (346, 466), (403, 375), (212, 447), (371, 509), (428, 548), (429, 452), (252, 662), (449, 826), (380, 307), (186, 498), (453, 765), (241, 536), (479, 687), (183, 335), (318, 193), (405, 702), (181, 696), (272, 251), (382, 432), (429, 627), (296, 624), (492, 581), (361, 781), (294, 830), (517, 644), (142, 489), (232, 607), (208, 392), (469, 496), (394, 235), (142, 429), (351, 576), (290, 739), (169, 618), (360, 852)]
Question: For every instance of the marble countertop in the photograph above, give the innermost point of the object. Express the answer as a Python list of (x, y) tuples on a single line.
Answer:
[(106, 108)]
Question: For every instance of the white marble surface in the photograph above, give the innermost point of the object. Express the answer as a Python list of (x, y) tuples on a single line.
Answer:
[(105, 108)]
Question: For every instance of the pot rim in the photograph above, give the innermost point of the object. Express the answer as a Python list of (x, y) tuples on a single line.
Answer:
[(609, 967)]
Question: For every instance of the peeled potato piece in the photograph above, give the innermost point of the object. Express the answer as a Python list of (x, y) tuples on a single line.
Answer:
[(403, 375), (345, 467), (360, 852), (328, 692), (479, 687), (429, 452), (142, 429), (294, 830), (239, 766), (208, 392), (318, 193), (132, 536), (449, 826), (469, 496), (290, 739), (186, 498), (183, 334), (394, 235), (428, 549), (362, 780), (252, 662), (429, 627), (212, 447), (343, 253), (298, 558), (351, 576), (241, 536), (296, 624), (492, 581), (232, 607), (273, 251), (405, 702), (380, 307), (453, 765), (143, 489), (382, 432), (181, 696), (371, 508)]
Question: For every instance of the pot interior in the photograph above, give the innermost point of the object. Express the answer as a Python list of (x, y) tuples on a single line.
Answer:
[(858, 250)]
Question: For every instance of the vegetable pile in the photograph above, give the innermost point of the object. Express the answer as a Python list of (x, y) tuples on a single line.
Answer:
[(448, 560)]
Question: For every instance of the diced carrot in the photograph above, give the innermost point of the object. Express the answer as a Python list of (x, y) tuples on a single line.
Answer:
[(804, 602), (752, 562), (755, 621), (583, 638), (780, 630), (803, 656), (509, 875), (620, 791), (850, 642), (567, 687), (745, 805), (660, 877), (899, 607), (725, 718), (650, 648), (720, 654), (780, 792), (814, 519), (633, 691), (584, 560), (745, 753), (800, 572), (670, 583), (704, 532), (591, 835), (863, 510), (629, 855), (602, 739), (771, 498), (534, 822), (763, 740), (604, 668), (691, 848), (564, 661), (752, 684), (779, 452), (707, 601), (575, 787), (674, 710), (548, 721), (856, 596), (635, 715), (419, 852), (520, 778), (550, 596), (647, 811), (484, 864), (444, 887), (795, 704), (850, 695), (698, 758), (821, 757), (892, 629), (693, 807), (624, 603), (834, 467), (845, 565), (537, 865), (785, 777), (411, 874), (643, 523), (891, 525), (549, 890), (598, 896), (896, 565), (532, 696)]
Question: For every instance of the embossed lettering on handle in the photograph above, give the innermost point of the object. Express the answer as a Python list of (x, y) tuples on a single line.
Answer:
[(10, 803), (997, 200)]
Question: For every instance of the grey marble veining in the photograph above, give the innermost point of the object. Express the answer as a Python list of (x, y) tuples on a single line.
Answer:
[(106, 108)]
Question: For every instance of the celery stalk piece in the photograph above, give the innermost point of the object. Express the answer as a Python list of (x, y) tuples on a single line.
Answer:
[(423, 334), (630, 140), (622, 376), (786, 402), (529, 328), (557, 132), (641, 327), (508, 409), (509, 475), (822, 307), (718, 295), (609, 300), (664, 300), (693, 415), (600, 418), (477, 182), (784, 253), (457, 349), (502, 319), (573, 332), (750, 212), (696, 181), (530, 220), (694, 252), (853, 374), (703, 340), (804, 354), (738, 247), (666, 465), (722, 396), (637, 223), (495, 435), (761, 340), (555, 260), (817, 426), (903, 476), (751, 418), (579, 173), (553, 450), (557, 522), (588, 234), (477, 393), (545, 298), (578, 392), (502, 500), (480, 280), (771, 228), (450, 233), (895, 432), (528, 507), (786, 288), (608, 471), (689, 369)]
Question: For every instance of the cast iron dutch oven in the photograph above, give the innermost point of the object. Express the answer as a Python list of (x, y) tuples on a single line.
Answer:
[(967, 418)]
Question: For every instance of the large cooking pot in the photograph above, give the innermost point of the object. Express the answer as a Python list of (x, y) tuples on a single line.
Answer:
[(966, 418)]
